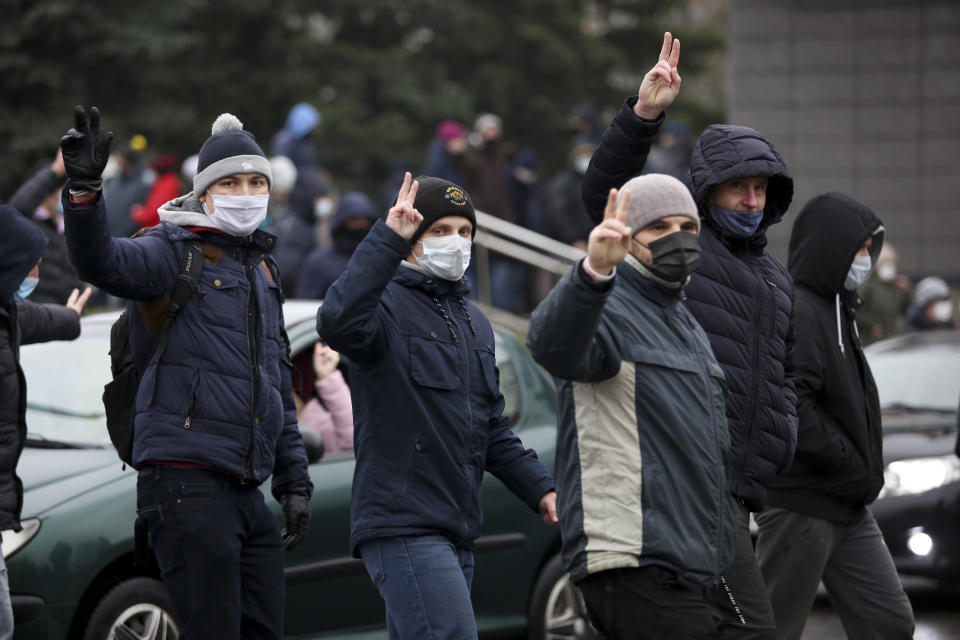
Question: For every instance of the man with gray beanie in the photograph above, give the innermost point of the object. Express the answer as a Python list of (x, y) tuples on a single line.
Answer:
[(642, 440), (428, 412), (215, 416)]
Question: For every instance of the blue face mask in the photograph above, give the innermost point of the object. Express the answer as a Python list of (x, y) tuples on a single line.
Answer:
[(740, 223), (25, 289), (858, 273)]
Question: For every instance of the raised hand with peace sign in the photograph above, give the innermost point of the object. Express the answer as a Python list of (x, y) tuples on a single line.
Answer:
[(610, 241), (403, 218), (662, 83)]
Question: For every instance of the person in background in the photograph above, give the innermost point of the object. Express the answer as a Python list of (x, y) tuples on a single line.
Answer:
[(285, 178), (671, 153), (39, 199), (741, 296), (330, 410), (295, 139), (564, 217), (128, 184), (165, 187), (816, 525), (932, 306), (22, 321), (445, 154), (582, 123), (297, 230), (885, 299), (428, 412), (352, 219)]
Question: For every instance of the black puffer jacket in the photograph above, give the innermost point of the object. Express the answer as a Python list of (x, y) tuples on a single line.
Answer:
[(741, 295), (21, 245), (839, 463)]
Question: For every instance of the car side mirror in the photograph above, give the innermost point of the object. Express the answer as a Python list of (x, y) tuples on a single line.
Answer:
[(313, 443)]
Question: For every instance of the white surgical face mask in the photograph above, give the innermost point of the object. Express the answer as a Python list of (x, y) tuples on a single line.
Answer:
[(25, 289), (942, 311), (237, 215), (887, 271), (446, 257), (859, 272), (322, 208)]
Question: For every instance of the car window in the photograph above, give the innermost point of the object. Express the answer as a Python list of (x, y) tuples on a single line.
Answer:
[(510, 385), (64, 387), (920, 379)]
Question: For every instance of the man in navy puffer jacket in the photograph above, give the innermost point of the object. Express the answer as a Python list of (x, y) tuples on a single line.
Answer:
[(428, 412), (741, 296), (214, 415)]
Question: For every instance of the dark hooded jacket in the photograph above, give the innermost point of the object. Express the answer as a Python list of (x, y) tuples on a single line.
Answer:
[(296, 231), (839, 464), (21, 246), (740, 294), (322, 267)]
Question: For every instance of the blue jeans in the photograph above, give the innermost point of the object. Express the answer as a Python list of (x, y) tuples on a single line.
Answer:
[(6, 608), (219, 550), (425, 582)]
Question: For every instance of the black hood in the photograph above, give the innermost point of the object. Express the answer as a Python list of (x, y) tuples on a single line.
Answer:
[(826, 236), (725, 152), (308, 187), (22, 244)]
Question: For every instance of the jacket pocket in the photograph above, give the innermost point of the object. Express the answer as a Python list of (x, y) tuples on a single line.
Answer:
[(222, 299), (434, 364)]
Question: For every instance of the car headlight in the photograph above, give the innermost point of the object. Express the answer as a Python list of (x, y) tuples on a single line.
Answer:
[(917, 475), (14, 540)]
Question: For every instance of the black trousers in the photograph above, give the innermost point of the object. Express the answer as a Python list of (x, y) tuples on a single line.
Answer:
[(648, 602), (219, 550)]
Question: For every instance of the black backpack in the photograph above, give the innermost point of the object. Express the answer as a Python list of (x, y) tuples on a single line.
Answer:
[(120, 394)]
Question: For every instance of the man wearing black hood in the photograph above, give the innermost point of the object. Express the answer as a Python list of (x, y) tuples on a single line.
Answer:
[(21, 322), (740, 295), (817, 525), (296, 231)]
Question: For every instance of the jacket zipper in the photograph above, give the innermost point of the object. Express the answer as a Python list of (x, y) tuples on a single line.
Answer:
[(470, 434), (254, 368), (754, 403)]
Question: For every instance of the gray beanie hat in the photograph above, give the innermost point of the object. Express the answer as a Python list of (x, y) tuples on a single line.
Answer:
[(229, 150), (656, 196), (930, 289)]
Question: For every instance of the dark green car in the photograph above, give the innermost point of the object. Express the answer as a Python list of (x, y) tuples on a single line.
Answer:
[(72, 569)]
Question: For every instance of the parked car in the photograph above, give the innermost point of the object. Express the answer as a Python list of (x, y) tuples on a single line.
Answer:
[(918, 510), (72, 569)]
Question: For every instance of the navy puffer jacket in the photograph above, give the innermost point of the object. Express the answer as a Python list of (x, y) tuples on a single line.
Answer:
[(428, 412), (222, 392), (741, 295)]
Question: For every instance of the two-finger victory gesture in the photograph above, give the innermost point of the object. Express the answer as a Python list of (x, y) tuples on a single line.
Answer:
[(403, 218), (610, 241), (662, 83), (85, 150)]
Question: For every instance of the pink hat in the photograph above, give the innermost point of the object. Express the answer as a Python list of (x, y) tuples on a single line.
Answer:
[(450, 129)]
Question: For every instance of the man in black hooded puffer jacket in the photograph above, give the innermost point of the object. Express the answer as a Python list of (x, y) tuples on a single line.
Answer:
[(741, 295)]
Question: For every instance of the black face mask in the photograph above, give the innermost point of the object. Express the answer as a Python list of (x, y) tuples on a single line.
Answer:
[(675, 256)]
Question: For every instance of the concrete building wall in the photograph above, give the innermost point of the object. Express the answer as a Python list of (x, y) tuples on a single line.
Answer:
[(863, 97)]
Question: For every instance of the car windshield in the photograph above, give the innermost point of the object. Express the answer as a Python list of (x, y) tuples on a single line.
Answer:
[(924, 379), (64, 384)]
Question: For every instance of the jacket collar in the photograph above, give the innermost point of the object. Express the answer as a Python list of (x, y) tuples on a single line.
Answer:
[(661, 294), (414, 279)]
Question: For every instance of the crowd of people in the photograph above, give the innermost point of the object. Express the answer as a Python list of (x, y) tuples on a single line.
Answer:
[(699, 379)]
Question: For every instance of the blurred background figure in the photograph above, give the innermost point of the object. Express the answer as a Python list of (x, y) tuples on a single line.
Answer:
[(125, 184), (446, 153), (188, 171), (886, 298), (297, 230), (582, 123), (932, 307), (284, 178), (39, 200), (352, 219), (567, 220), (165, 187), (295, 139), (670, 154), (328, 408)]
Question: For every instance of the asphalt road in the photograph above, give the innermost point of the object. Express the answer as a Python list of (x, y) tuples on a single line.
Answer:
[(937, 613)]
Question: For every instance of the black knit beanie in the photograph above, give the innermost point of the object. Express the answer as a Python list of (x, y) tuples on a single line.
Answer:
[(437, 198)]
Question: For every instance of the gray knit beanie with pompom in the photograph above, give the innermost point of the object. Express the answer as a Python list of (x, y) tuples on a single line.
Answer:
[(229, 150)]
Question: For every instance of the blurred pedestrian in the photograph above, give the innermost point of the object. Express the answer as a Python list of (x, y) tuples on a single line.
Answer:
[(932, 306), (741, 295), (445, 155), (670, 154), (816, 526), (564, 217), (165, 187), (352, 219), (296, 139), (128, 185), (582, 122), (428, 411), (39, 199), (297, 230), (215, 415), (885, 299), (22, 321), (284, 179), (329, 409), (614, 326)]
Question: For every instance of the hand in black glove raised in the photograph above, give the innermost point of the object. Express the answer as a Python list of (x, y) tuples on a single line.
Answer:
[(85, 151), (295, 501)]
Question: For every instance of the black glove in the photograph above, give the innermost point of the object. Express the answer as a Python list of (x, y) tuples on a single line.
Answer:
[(85, 151), (295, 500)]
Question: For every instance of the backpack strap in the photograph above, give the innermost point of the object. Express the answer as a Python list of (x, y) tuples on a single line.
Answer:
[(187, 280)]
